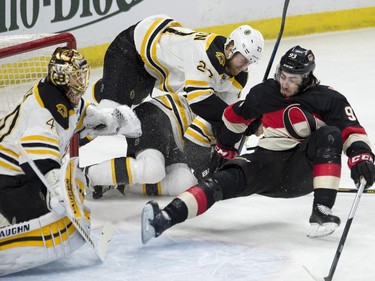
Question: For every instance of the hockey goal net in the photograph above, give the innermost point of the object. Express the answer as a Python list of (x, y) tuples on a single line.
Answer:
[(23, 61)]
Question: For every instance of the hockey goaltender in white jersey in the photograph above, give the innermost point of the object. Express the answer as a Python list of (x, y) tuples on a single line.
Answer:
[(35, 212)]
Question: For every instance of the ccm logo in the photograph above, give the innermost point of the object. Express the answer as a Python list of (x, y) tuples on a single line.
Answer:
[(359, 158)]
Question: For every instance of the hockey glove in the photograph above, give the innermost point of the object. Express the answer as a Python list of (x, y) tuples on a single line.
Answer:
[(55, 200), (254, 128), (225, 152), (362, 165), (100, 122), (129, 124)]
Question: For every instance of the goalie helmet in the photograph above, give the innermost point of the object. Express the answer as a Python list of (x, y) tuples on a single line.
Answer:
[(69, 69), (298, 60), (248, 41)]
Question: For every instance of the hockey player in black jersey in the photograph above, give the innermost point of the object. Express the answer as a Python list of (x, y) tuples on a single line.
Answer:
[(306, 125)]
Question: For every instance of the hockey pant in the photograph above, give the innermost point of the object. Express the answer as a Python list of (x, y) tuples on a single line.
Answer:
[(146, 174)]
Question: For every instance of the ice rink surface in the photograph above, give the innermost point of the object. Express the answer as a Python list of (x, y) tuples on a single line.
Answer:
[(253, 238)]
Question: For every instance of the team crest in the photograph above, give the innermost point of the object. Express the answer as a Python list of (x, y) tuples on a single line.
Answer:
[(247, 32), (61, 108), (221, 58)]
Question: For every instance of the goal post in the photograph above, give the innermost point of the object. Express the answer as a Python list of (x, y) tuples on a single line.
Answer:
[(23, 61)]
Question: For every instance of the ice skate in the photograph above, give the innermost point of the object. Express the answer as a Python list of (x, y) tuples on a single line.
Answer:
[(99, 190), (322, 222), (154, 221)]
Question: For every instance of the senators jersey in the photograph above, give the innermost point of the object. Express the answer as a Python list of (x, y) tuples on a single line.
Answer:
[(183, 60), (43, 123), (289, 121)]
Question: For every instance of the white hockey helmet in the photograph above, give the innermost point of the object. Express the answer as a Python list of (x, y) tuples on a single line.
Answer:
[(248, 41)]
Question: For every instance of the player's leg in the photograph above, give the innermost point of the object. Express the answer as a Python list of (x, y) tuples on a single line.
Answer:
[(178, 178), (238, 177), (21, 198), (125, 79), (325, 148)]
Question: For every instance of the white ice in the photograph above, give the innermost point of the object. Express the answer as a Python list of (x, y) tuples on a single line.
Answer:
[(253, 238)]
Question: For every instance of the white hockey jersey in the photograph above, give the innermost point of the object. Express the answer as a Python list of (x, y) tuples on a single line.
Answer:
[(183, 60), (43, 122)]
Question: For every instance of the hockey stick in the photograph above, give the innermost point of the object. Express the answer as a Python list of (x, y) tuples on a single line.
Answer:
[(354, 190), (107, 231), (346, 230), (270, 62)]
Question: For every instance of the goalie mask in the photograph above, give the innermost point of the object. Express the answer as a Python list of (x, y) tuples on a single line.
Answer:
[(248, 41), (69, 69)]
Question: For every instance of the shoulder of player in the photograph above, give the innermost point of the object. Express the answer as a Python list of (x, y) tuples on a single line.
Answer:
[(52, 99), (326, 91), (215, 51)]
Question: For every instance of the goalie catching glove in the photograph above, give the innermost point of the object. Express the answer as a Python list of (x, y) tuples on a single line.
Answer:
[(111, 121), (362, 165)]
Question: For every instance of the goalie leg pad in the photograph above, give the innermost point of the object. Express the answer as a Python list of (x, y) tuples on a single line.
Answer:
[(37, 242)]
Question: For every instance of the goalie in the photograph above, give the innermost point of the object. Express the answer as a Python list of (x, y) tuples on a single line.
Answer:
[(33, 220)]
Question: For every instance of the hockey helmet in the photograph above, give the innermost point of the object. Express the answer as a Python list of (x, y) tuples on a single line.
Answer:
[(248, 41), (68, 68), (298, 60)]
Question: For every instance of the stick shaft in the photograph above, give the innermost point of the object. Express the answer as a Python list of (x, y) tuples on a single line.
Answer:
[(346, 231)]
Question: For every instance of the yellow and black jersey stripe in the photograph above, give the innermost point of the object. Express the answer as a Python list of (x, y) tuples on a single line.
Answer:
[(148, 49), (47, 236), (200, 132)]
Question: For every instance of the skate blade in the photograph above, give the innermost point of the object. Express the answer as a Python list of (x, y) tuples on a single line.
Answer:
[(317, 230), (148, 231)]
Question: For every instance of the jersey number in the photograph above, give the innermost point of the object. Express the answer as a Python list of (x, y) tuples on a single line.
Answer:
[(203, 67), (51, 123), (350, 113)]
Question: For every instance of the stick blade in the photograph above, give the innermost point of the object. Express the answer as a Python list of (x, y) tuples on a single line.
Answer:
[(105, 239)]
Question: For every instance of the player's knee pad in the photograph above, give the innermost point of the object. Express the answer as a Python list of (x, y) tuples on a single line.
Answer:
[(238, 162), (179, 177), (326, 143), (38, 241), (148, 167)]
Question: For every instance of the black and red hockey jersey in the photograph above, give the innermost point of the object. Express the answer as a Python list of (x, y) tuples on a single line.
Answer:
[(289, 121)]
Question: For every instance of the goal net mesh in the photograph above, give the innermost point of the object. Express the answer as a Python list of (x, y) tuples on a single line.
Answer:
[(23, 62)]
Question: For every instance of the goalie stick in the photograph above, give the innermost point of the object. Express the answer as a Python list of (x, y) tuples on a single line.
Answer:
[(106, 234)]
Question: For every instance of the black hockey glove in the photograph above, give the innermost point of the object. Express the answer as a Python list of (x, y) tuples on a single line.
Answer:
[(362, 165), (253, 127)]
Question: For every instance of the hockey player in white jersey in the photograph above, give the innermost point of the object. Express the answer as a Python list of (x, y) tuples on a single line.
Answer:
[(159, 52), (34, 137), (155, 163)]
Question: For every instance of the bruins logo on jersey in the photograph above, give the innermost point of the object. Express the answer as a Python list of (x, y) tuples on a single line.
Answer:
[(61, 108), (221, 58)]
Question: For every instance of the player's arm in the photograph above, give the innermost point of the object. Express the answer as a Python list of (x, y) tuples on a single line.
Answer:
[(356, 143)]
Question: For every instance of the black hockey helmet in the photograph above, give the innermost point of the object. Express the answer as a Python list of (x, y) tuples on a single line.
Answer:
[(298, 60)]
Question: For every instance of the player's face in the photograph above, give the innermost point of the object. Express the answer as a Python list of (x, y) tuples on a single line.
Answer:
[(289, 83), (236, 64)]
